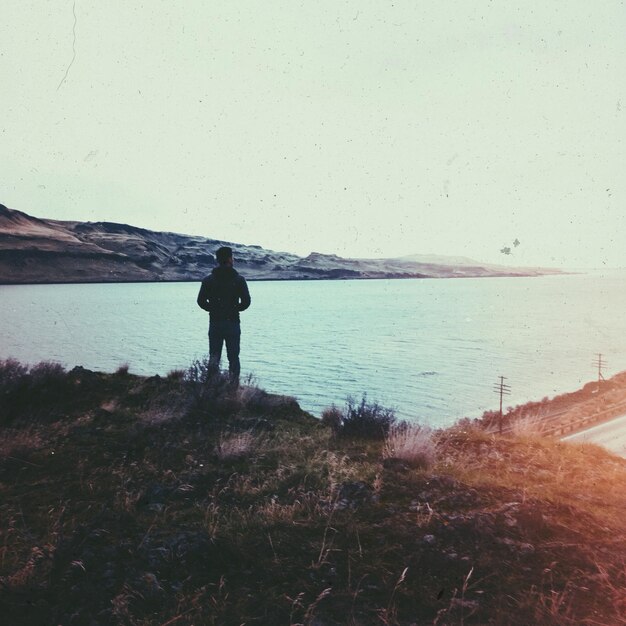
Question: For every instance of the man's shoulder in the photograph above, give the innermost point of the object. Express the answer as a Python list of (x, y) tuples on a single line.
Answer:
[(237, 276)]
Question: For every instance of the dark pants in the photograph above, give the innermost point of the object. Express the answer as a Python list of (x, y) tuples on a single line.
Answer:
[(220, 332)]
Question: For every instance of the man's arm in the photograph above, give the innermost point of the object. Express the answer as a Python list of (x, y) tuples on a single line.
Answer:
[(244, 295), (203, 295)]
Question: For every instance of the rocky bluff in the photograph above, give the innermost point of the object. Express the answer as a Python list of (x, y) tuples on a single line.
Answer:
[(34, 250)]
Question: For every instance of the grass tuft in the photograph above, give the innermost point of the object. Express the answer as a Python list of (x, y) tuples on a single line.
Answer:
[(237, 445), (411, 443)]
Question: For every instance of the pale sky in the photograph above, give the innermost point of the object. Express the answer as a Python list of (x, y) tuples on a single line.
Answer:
[(365, 128)]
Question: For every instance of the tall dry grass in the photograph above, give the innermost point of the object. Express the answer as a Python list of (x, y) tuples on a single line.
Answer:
[(411, 443), (527, 426)]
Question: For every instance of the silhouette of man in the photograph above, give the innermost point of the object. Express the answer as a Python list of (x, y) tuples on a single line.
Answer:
[(224, 293)]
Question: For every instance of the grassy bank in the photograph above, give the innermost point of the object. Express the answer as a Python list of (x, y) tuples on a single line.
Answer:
[(177, 500), (600, 400)]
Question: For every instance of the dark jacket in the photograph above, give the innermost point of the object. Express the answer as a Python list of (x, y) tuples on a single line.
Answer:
[(224, 293)]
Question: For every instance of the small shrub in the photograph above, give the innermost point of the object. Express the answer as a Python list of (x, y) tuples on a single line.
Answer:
[(122, 370), (205, 383), (410, 443), (48, 384), (12, 373), (333, 418), (35, 392), (197, 373), (46, 373), (368, 420)]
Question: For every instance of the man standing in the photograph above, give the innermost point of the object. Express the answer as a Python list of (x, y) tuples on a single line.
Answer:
[(224, 293)]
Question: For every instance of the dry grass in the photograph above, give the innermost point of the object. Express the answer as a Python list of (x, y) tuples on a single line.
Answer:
[(204, 520), (575, 474), (238, 445), (14, 442), (527, 425), (411, 443), (249, 395)]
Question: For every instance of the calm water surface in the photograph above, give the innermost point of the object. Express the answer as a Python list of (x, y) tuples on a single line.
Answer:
[(430, 348)]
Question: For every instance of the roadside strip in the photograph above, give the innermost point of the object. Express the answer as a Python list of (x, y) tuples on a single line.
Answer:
[(611, 435)]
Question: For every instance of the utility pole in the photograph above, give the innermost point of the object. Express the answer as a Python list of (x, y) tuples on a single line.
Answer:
[(599, 363), (504, 390)]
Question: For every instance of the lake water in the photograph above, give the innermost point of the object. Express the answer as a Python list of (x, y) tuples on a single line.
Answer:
[(432, 349)]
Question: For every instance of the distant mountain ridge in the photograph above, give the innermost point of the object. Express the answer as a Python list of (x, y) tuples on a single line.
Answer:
[(441, 259), (36, 250)]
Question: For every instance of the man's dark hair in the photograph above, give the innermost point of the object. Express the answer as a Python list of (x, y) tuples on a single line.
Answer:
[(223, 254)]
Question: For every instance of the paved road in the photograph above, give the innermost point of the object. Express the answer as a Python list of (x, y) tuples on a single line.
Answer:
[(611, 435)]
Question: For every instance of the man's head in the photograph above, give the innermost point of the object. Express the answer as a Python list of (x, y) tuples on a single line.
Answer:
[(224, 255)]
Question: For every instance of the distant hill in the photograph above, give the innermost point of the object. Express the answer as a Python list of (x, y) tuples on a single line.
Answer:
[(441, 259), (34, 250)]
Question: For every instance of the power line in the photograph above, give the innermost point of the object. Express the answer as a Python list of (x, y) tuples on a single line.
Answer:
[(600, 363), (502, 389)]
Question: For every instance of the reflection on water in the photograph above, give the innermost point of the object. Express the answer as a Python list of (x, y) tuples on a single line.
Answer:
[(431, 348)]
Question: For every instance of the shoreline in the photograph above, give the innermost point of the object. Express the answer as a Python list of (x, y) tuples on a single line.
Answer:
[(286, 279)]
